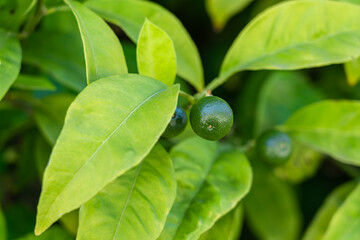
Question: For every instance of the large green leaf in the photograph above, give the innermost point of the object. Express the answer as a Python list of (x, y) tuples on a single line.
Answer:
[(58, 54), (2, 226), (345, 224), (135, 205), (271, 108), (278, 219), (117, 12), (209, 184), (226, 228), (352, 70), (156, 55), (10, 60), (285, 37), (109, 128), (104, 55), (221, 11), (321, 221), (54, 233), (331, 127), (50, 115)]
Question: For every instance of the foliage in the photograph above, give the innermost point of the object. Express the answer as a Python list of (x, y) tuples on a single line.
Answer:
[(90, 89)]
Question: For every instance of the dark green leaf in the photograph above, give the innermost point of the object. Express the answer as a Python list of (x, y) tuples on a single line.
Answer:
[(10, 59), (271, 208)]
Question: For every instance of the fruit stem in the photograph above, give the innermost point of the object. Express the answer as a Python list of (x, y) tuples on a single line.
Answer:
[(187, 96)]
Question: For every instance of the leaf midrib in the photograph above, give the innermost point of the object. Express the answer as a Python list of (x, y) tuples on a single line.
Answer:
[(127, 200), (90, 45), (196, 193), (95, 152)]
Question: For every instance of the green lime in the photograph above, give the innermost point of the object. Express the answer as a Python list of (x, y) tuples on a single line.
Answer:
[(211, 118), (177, 124), (274, 147)]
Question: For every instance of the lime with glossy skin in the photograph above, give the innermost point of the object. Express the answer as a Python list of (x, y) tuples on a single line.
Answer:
[(274, 147), (177, 124), (211, 118)]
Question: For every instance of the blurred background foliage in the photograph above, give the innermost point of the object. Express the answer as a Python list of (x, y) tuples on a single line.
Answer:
[(282, 202)]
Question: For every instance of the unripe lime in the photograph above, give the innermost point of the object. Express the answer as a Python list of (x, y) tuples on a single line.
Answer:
[(211, 118), (177, 124), (274, 147)]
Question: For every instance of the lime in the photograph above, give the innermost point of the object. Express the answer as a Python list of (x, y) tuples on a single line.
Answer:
[(211, 118), (274, 147), (177, 124)]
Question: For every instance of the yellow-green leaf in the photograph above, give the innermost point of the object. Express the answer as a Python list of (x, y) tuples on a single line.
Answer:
[(331, 127), (285, 37), (320, 223), (345, 224), (209, 184), (189, 65), (156, 55), (104, 55), (97, 143), (135, 205), (352, 70)]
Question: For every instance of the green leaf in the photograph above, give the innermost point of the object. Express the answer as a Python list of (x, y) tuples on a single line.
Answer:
[(278, 220), (156, 55), (10, 60), (221, 11), (271, 108), (109, 128), (33, 83), (12, 122), (352, 70), (276, 40), (320, 223), (226, 228), (54, 233), (209, 184), (135, 205), (104, 55), (345, 224), (303, 164), (58, 54), (330, 127), (14, 12), (50, 115), (70, 221), (42, 151), (189, 65), (2, 226)]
